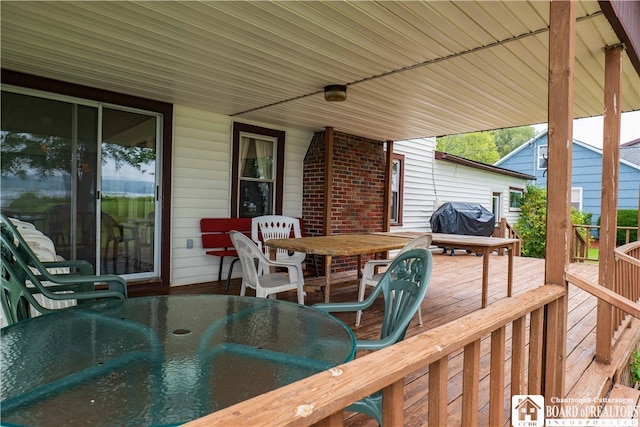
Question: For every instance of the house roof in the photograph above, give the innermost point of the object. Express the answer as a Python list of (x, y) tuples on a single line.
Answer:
[(630, 151), (482, 166), (623, 160), (413, 69)]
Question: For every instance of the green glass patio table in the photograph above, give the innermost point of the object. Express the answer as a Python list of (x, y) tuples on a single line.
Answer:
[(161, 360)]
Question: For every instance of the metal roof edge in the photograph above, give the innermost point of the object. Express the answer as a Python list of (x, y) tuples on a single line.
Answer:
[(439, 155)]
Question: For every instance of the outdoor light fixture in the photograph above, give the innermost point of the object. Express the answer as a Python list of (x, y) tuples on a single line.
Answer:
[(335, 93)]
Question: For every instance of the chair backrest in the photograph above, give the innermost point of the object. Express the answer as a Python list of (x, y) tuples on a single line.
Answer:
[(419, 242), (404, 286), (267, 227), (250, 257), (111, 227), (23, 274)]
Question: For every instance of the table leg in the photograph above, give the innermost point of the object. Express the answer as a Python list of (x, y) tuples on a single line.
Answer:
[(485, 275), (510, 250), (327, 277), (273, 254)]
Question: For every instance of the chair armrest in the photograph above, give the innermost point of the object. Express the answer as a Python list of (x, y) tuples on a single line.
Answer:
[(335, 307), (370, 266), (280, 263), (83, 267), (349, 306)]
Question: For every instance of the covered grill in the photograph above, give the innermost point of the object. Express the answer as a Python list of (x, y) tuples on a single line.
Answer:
[(463, 218), (471, 219)]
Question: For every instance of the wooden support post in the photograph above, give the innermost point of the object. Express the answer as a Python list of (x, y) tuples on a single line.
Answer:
[(609, 201), (386, 218), (562, 21), (328, 180)]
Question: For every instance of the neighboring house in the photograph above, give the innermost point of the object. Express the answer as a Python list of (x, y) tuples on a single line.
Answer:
[(586, 182), (630, 151), (432, 178)]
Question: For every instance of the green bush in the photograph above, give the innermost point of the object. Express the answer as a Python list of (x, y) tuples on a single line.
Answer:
[(634, 367), (532, 224), (626, 218)]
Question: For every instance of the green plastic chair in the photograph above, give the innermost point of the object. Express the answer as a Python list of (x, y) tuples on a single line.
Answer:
[(404, 286), (22, 275)]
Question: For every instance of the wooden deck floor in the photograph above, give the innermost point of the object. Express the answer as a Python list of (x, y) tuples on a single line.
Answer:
[(454, 291)]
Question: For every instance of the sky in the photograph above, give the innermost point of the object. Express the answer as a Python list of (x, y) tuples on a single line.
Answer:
[(590, 130)]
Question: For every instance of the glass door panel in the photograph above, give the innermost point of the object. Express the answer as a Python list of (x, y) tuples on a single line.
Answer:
[(48, 163), (128, 192)]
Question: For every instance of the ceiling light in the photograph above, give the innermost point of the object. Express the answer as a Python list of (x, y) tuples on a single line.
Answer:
[(335, 93)]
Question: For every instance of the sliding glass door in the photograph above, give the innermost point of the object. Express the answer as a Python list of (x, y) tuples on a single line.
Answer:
[(85, 175)]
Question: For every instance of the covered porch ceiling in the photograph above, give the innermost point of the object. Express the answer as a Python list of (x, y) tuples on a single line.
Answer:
[(413, 69)]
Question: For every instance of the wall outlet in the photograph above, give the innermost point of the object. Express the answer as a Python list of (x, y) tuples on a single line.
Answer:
[(189, 243)]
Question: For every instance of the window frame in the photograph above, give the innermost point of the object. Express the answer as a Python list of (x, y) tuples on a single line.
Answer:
[(542, 157), (397, 158), (240, 129), (520, 192), (581, 195)]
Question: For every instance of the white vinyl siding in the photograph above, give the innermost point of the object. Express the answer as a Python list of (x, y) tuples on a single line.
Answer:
[(418, 191), (201, 186), (429, 183)]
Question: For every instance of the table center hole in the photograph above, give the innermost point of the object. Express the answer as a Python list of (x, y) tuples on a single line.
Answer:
[(182, 332)]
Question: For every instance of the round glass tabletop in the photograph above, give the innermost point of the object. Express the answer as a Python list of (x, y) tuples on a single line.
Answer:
[(160, 360)]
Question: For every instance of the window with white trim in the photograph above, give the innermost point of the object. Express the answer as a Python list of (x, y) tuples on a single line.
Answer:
[(516, 196), (397, 181), (542, 157), (576, 198)]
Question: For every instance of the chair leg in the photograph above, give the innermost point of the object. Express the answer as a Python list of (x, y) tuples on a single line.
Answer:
[(220, 269), (360, 299), (226, 287), (420, 316)]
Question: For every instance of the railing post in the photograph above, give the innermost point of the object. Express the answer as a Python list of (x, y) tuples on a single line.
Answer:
[(393, 404)]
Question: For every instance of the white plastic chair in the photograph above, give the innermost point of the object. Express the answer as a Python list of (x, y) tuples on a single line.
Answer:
[(371, 278), (267, 227), (266, 284)]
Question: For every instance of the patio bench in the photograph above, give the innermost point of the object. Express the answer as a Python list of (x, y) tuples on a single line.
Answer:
[(217, 241)]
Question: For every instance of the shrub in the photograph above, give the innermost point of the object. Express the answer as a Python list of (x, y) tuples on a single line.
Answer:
[(626, 218), (532, 224), (634, 366)]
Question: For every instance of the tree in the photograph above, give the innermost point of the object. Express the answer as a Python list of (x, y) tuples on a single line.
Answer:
[(486, 147), (478, 146), (509, 139)]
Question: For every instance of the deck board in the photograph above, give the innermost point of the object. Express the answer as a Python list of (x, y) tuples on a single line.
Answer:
[(454, 291)]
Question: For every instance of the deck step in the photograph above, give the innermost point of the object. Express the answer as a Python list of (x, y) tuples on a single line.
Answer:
[(621, 404), (589, 389)]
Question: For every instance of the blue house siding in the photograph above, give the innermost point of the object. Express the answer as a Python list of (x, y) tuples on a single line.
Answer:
[(586, 173)]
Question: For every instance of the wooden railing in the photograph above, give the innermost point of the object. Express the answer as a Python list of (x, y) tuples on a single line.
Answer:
[(504, 229), (623, 295), (322, 397), (582, 238)]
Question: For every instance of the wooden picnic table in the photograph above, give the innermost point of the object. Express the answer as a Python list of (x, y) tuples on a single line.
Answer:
[(337, 245), (479, 244), (361, 244)]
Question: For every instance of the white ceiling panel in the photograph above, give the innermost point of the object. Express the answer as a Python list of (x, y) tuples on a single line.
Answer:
[(413, 68)]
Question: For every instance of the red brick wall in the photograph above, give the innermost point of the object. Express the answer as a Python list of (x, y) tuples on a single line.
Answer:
[(357, 189)]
